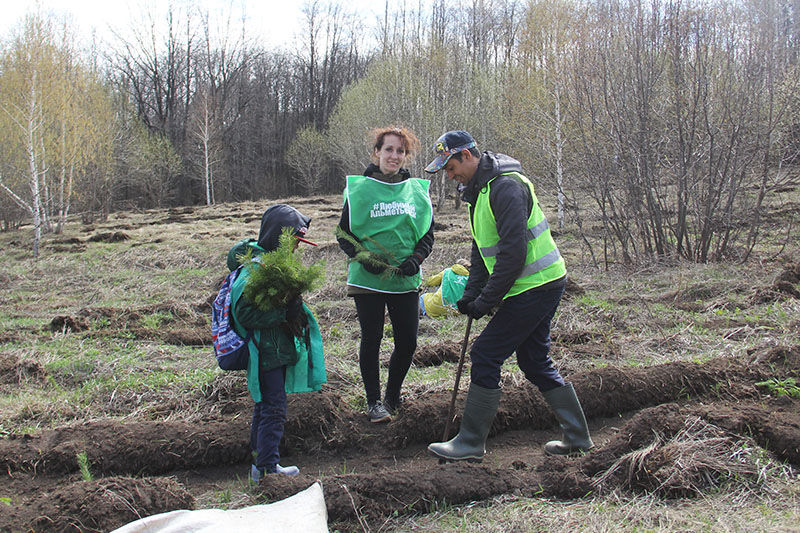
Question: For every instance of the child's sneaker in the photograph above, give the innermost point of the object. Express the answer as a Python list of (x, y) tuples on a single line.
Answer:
[(257, 474), (378, 413)]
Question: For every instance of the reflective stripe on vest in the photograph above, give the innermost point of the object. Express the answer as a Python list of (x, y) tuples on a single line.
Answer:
[(532, 233), (543, 261)]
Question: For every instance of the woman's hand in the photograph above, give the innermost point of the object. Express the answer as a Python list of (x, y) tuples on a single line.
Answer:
[(410, 266), (373, 268)]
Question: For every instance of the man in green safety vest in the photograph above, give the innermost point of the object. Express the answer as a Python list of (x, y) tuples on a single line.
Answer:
[(516, 268)]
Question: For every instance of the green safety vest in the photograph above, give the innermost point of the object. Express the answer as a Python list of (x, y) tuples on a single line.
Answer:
[(387, 218), (543, 262)]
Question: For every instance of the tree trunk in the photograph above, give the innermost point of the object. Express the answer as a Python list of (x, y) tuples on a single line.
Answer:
[(34, 175)]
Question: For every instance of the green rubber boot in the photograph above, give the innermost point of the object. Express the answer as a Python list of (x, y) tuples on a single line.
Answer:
[(575, 440), (470, 443)]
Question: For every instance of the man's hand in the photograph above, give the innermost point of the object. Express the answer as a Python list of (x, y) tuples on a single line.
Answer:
[(463, 305), (476, 310), (410, 266)]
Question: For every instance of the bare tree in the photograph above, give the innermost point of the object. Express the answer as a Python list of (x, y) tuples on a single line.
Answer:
[(155, 67)]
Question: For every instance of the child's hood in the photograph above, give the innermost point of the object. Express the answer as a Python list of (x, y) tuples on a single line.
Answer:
[(275, 219)]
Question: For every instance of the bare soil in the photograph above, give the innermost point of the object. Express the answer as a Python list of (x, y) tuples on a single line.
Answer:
[(147, 467)]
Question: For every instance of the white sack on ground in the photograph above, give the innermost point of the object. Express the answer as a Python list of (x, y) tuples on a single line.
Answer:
[(302, 513)]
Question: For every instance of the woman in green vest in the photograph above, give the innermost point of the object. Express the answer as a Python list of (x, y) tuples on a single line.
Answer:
[(386, 229)]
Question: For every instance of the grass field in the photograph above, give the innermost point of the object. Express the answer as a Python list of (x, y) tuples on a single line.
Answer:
[(111, 327)]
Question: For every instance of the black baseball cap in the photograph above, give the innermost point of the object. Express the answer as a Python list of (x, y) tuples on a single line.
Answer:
[(448, 144)]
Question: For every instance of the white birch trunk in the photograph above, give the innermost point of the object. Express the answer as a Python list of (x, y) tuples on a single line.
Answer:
[(36, 206), (61, 182), (205, 154)]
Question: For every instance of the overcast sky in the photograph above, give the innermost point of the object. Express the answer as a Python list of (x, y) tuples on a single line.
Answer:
[(272, 22)]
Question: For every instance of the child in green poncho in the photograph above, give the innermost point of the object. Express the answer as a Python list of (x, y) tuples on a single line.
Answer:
[(285, 347)]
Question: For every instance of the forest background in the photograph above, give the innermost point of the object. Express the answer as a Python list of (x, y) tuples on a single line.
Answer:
[(672, 122)]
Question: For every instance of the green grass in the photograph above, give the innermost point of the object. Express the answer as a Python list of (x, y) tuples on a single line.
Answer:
[(10, 323), (152, 380), (781, 387), (590, 302), (155, 320)]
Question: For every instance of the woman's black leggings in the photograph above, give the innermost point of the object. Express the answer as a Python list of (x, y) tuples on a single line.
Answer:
[(404, 315)]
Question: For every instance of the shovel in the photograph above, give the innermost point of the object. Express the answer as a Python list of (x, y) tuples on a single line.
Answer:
[(451, 410)]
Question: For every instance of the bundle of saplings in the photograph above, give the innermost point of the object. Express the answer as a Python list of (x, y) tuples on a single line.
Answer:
[(277, 277), (384, 258)]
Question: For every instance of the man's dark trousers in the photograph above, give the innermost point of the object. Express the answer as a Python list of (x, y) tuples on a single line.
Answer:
[(521, 324)]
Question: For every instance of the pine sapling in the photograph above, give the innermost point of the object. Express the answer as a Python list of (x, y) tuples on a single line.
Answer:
[(83, 466), (365, 256), (277, 277)]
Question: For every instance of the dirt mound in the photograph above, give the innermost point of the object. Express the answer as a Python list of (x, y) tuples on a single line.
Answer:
[(321, 421), (68, 323), (125, 448), (569, 338), (67, 245), (436, 354), (13, 371), (372, 497), (188, 336), (97, 506), (780, 290), (608, 391), (672, 449), (71, 249), (108, 236), (573, 289), (790, 274), (170, 322), (696, 456), (775, 424), (689, 295), (784, 286), (67, 240)]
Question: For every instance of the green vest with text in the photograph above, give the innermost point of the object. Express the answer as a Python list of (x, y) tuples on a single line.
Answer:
[(543, 262), (388, 219)]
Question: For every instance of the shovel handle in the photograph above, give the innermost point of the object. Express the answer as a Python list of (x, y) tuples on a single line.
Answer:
[(452, 409)]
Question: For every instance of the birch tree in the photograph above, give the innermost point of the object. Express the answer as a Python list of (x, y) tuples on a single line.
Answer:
[(26, 94), (83, 121), (546, 43)]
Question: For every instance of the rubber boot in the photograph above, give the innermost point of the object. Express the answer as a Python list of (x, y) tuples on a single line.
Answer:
[(564, 403), (470, 443)]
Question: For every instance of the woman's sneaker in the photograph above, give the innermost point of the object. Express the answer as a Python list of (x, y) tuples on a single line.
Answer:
[(378, 413), (392, 405)]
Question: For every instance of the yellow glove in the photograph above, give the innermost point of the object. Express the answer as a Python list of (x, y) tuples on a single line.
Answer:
[(435, 280), (461, 270)]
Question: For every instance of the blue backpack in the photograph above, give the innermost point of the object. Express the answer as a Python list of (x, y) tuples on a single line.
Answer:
[(231, 349)]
